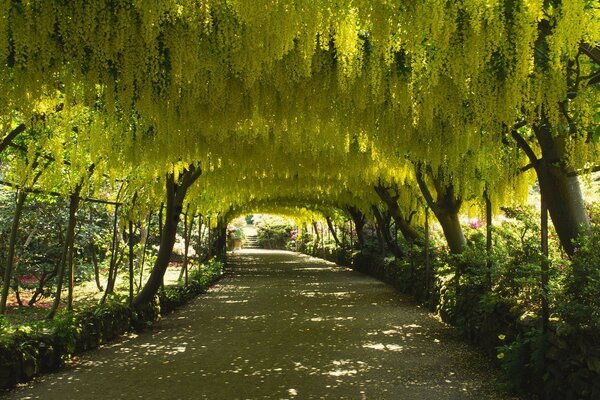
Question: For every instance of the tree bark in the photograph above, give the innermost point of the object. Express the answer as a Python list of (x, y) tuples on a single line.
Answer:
[(113, 258), (561, 192), (73, 206), (384, 228), (317, 235), (402, 223), (220, 240), (359, 224), (446, 208), (7, 140), (176, 191), (10, 256), (333, 232)]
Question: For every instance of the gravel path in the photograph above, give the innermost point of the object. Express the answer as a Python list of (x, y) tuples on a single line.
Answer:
[(282, 326)]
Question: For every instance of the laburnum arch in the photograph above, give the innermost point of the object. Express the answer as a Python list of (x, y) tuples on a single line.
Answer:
[(229, 103)]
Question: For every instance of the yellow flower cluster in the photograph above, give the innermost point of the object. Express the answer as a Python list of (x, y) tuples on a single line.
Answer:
[(295, 102)]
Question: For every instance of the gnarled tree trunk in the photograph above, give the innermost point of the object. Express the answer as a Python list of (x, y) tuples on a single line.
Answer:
[(561, 191), (10, 257), (176, 191), (333, 231), (70, 237), (384, 228), (359, 222), (446, 207), (402, 223)]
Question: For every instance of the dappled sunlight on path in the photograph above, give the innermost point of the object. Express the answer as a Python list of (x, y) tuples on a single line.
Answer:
[(282, 326)]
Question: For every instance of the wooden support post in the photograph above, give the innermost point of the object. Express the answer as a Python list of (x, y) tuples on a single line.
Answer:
[(428, 274), (143, 261), (130, 243), (488, 238), (160, 232), (545, 264), (209, 235), (113, 257)]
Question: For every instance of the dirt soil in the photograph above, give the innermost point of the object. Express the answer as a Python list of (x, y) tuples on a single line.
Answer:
[(282, 326)]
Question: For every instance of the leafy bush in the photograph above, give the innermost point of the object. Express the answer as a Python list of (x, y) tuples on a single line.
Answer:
[(495, 300), (274, 233), (28, 350)]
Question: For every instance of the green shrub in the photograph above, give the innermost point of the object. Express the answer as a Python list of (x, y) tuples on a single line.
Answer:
[(42, 346), (274, 233)]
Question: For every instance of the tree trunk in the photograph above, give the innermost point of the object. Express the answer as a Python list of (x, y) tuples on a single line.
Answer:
[(16, 290), (40, 288), (561, 192), (359, 223), (113, 258), (220, 241), (333, 232), (167, 241), (176, 192), (402, 223), (452, 231), (7, 140), (73, 206), (317, 236), (385, 232), (446, 208), (10, 257), (144, 234)]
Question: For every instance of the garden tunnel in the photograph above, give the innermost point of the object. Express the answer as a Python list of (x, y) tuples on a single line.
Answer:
[(394, 115)]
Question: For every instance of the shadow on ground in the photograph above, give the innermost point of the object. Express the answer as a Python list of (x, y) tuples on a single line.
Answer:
[(282, 326)]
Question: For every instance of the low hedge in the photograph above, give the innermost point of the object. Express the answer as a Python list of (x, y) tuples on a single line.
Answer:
[(563, 363), (40, 347)]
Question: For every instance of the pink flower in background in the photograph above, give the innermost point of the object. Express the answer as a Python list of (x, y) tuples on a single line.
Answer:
[(28, 279), (475, 223)]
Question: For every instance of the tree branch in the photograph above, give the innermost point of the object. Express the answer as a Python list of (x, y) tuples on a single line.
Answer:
[(583, 171), (424, 189), (55, 194), (522, 143), (592, 52), (11, 136)]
